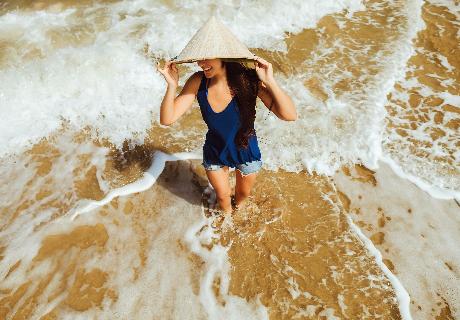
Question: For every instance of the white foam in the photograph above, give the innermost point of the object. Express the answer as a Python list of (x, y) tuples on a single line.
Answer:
[(427, 261), (218, 267), (109, 85), (105, 81), (315, 142), (166, 273), (22, 184), (439, 179), (454, 8), (401, 293), (149, 178), (431, 189)]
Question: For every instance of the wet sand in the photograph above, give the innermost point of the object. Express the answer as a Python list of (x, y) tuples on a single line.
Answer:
[(289, 247), (391, 210), (306, 246)]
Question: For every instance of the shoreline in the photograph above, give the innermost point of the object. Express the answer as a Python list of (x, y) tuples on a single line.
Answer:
[(402, 225)]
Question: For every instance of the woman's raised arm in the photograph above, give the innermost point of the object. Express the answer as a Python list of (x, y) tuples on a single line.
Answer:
[(273, 97), (172, 108)]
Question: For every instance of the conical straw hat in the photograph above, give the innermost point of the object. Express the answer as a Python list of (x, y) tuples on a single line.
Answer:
[(214, 40)]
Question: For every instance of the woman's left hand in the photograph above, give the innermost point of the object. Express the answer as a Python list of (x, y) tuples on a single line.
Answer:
[(264, 70)]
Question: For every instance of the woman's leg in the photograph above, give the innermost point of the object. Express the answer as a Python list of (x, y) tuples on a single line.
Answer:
[(220, 183), (243, 186)]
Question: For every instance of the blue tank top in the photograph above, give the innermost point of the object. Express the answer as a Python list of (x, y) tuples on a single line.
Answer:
[(220, 146)]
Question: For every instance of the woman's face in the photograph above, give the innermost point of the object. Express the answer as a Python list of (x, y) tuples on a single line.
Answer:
[(211, 67)]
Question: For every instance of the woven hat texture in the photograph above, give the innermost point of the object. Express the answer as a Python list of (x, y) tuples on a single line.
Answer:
[(214, 40)]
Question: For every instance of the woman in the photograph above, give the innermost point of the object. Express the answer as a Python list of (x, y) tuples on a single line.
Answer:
[(227, 93)]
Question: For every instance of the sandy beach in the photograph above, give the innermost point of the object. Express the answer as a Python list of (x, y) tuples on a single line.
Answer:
[(106, 214)]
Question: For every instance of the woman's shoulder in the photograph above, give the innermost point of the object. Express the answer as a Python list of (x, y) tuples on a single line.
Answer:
[(193, 83), (195, 79), (197, 76)]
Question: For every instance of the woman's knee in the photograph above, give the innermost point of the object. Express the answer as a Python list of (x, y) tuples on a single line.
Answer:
[(223, 195), (243, 192)]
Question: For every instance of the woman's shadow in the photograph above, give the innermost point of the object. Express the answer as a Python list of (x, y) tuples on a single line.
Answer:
[(183, 178)]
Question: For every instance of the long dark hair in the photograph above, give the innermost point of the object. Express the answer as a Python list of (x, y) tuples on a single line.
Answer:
[(244, 85)]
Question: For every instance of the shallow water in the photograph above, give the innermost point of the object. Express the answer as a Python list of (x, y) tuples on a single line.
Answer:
[(93, 225)]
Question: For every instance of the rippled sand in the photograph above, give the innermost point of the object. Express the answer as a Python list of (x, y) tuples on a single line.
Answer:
[(87, 229), (291, 246), (391, 211), (424, 114)]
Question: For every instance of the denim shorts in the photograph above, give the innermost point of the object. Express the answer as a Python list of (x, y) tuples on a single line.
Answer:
[(244, 168)]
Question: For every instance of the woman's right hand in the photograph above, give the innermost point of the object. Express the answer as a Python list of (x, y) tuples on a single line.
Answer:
[(170, 72)]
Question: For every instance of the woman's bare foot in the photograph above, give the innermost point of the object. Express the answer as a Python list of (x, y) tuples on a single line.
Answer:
[(234, 205)]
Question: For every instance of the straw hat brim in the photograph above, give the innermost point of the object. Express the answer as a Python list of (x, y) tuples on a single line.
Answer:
[(247, 62), (215, 41), (232, 59)]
